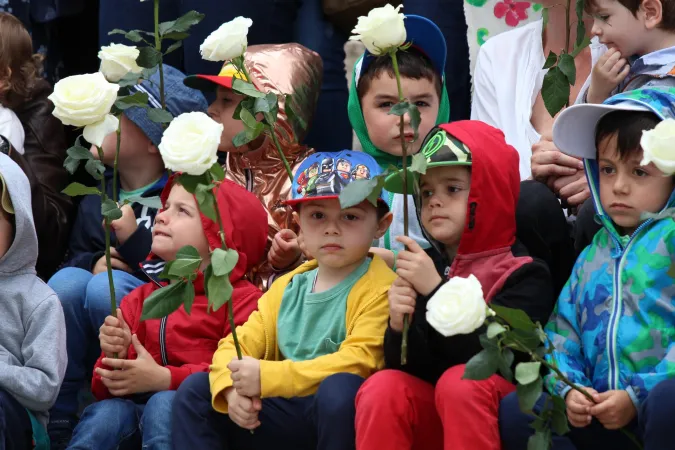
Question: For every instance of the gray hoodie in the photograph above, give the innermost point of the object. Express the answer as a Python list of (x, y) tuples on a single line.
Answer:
[(32, 328)]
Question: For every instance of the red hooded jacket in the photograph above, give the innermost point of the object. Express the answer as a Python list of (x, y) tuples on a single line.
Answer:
[(184, 343)]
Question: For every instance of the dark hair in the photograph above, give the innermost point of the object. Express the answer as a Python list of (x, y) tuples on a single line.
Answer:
[(19, 67), (668, 18), (628, 127), (382, 209), (411, 64)]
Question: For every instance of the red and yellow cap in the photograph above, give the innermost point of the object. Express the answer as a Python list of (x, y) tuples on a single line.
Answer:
[(209, 83)]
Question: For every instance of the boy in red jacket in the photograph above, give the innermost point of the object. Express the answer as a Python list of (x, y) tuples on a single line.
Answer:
[(155, 356)]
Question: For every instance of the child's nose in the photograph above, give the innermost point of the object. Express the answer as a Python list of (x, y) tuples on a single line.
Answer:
[(595, 29)]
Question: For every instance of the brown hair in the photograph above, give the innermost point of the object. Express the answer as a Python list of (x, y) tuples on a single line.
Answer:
[(667, 20), (19, 67)]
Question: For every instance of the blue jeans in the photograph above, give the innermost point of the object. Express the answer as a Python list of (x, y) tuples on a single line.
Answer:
[(85, 299), (653, 425), (274, 22), (322, 421), (120, 423), (16, 431)]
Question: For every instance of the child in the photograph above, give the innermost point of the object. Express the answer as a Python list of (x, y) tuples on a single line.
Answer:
[(155, 356), (285, 69), (640, 35), (83, 286), (317, 334), (33, 337), (612, 329), (38, 141), (471, 184)]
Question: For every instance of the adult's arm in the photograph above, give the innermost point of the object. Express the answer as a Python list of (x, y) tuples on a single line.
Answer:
[(485, 100)]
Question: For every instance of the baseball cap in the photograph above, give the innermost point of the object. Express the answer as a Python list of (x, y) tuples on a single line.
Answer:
[(425, 36), (324, 175), (439, 148), (209, 83), (574, 130), (179, 99)]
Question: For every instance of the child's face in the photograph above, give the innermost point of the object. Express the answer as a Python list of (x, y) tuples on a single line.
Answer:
[(336, 237), (177, 225), (221, 110), (383, 128), (616, 27), (134, 144), (445, 192), (627, 189)]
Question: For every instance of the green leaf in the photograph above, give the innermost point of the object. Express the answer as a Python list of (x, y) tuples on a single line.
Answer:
[(248, 103), (555, 91), (514, 317), (206, 201), (505, 363), (419, 164), (578, 48), (130, 79), (139, 99), (246, 88), (176, 36), (187, 261), (559, 416), (520, 338), (551, 59), (248, 135), (567, 67), (357, 191), (527, 372), (399, 109), (180, 25), (495, 329), (581, 28), (540, 440), (248, 119), (217, 172), (482, 366), (415, 119), (71, 164), (116, 31), (151, 202), (544, 19), (134, 36), (148, 57), (164, 301), (541, 334), (188, 296), (489, 344), (159, 115), (110, 210), (80, 153), (173, 47), (265, 104), (95, 168), (146, 73), (74, 189), (528, 394), (218, 290), (223, 261), (190, 182)]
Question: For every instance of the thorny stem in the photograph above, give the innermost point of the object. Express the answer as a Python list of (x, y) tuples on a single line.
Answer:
[(117, 155)]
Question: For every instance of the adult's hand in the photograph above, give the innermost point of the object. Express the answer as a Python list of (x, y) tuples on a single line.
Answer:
[(573, 189), (548, 162)]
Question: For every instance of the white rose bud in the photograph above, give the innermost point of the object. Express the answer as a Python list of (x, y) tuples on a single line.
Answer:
[(458, 307), (190, 143), (95, 133), (228, 41), (83, 100), (658, 146), (381, 30), (118, 60)]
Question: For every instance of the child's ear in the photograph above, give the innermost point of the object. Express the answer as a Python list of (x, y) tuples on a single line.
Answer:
[(383, 225), (152, 148), (653, 13)]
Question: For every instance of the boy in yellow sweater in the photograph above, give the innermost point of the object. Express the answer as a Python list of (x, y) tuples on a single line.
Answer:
[(317, 334)]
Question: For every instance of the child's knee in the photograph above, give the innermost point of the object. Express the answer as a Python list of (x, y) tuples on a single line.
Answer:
[(70, 285), (336, 394), (194, 391)]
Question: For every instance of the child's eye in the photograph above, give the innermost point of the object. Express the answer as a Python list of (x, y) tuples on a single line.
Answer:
[(183, 211), (317, 215), (454, 189), (607, 170), (351, 217), (422, 104), (385, 105), (426, 193), (640, 173), (603, 17)]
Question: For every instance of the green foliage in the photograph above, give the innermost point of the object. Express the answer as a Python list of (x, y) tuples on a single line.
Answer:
[(149, 57), (360, 190), (75, 189), (173, 47), (494, 329), (419, 164), (217, 172), (246, 88), (514, 317), (95, 168), (139, 99), (413, 112), (110, 210), (206, 201), (218, 289), (166, 300), (223, 261), (482, 366), (76, 153), (528, 394), (567, 67), (187, 261), (555, 90), (180, 25), (527, 372), (159, 115)]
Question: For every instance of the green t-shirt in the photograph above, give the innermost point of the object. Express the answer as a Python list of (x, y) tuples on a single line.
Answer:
[(136, 192), (311, 324)]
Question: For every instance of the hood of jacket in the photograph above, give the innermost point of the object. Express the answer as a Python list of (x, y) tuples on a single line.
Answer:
[(359, 123), (21, 256), (244, 223)]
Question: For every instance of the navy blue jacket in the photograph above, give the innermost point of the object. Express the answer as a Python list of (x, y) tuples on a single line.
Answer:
[(87, 238)]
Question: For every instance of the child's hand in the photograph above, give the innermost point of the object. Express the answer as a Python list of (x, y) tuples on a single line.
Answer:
[(126, 225), (579, 407), (416, 267), (285, 249), (115, 260), (142, 374), (115, 336), (610, 70), (614, 409), (245, 376), (243, 410), (402, 298)]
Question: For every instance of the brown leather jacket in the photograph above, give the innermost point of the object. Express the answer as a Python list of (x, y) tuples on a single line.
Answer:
[(288, 69), (42, 162)]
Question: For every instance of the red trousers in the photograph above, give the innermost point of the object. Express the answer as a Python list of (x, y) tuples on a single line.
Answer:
[(395, 410)]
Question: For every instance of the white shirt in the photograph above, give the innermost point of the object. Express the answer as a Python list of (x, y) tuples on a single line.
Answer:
[(11, 128), (508, 77)]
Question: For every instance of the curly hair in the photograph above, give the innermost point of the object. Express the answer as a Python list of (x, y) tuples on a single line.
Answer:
[(19, 67)]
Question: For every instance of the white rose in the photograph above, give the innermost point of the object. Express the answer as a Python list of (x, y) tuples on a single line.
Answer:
[(228, 41), (83, 100), (458, 307), (95, 133), (658, 146), (190, 143), (381, 30), (118, 60)]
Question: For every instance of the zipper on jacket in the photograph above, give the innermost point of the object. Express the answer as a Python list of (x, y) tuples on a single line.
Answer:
[(162, 327)]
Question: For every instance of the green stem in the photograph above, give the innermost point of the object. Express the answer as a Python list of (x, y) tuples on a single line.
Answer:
[(158, 47), (281, 152), (404, 155), (117, 155), (245, 71), (567, 26)]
